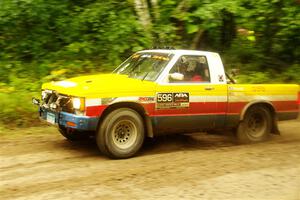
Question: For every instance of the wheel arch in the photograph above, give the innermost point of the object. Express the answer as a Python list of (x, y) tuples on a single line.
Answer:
[(267, 105), (134, 106)]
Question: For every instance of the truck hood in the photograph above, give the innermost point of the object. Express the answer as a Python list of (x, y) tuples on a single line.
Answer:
[(101, 85)]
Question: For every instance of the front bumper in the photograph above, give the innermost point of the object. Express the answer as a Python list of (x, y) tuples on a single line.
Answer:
[(67, 120)]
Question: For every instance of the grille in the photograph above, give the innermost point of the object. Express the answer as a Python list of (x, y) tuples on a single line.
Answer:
[(57, 102)]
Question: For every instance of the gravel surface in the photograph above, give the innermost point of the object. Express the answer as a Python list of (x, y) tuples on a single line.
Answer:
[(38, 163)]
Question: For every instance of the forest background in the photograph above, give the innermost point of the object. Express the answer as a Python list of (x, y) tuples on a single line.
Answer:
[(45, 40)]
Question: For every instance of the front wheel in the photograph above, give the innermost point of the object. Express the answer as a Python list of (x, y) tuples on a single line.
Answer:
[(121, 133), (256, 126)]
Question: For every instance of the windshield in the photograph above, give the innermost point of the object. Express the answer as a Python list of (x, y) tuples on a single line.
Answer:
[(144, 66)]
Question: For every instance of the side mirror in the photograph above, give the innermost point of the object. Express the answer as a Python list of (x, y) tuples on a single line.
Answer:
[(176, 76)]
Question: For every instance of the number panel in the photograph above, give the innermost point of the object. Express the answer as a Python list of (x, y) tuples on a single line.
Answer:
[(172, 100)]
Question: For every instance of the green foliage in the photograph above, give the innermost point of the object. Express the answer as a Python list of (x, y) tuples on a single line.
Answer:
[(292, 74), (44, 40), (255, 78), (16, 108)]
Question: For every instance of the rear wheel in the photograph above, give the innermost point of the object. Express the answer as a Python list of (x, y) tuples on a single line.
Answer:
[(256, 126), (121, 133)]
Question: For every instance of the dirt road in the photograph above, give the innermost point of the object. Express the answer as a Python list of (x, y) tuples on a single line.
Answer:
[(38, 163)]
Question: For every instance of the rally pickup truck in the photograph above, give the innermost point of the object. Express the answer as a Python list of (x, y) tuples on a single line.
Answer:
[(157, 92)]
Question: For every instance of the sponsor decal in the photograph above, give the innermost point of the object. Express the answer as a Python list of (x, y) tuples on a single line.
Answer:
[(258, 89), (237, 89), (146, 99), (164, 58), (172, 100), (221, 78)]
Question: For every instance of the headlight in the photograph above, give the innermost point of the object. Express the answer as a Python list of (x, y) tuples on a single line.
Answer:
[(78, 103)]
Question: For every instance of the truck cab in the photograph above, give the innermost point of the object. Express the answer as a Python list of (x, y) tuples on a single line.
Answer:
[(157, 92), (191, 92)]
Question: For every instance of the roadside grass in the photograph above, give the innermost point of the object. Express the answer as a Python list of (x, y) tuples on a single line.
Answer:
[(27, 131)]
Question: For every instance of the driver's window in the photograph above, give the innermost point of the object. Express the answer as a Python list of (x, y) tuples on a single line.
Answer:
[(190, 69)]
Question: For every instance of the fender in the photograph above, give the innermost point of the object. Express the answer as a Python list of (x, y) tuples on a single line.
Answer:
[(135, 106), (275, 129), (253, 103)]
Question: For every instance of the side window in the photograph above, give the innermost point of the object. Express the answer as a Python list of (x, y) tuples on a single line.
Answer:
[(190, 69)]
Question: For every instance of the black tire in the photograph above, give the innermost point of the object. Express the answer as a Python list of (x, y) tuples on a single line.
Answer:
[(121, 133), (256, 126), (72, 135)]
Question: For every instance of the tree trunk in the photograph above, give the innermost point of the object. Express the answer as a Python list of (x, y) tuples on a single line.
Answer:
[(197, 39), (142, 10), (155, 8), (228, 29)]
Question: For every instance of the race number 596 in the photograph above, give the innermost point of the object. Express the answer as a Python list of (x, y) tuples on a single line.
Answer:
[(164, 97)]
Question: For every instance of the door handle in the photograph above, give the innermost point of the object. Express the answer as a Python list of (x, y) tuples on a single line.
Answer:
[(209, 88)]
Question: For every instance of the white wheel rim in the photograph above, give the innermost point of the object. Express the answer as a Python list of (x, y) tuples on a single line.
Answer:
[(124, 134)]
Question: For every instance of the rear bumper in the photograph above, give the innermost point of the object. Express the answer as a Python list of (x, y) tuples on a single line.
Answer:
[(67, 120)]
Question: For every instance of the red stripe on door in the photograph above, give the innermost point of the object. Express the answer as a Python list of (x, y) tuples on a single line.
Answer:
[(200, 108)]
